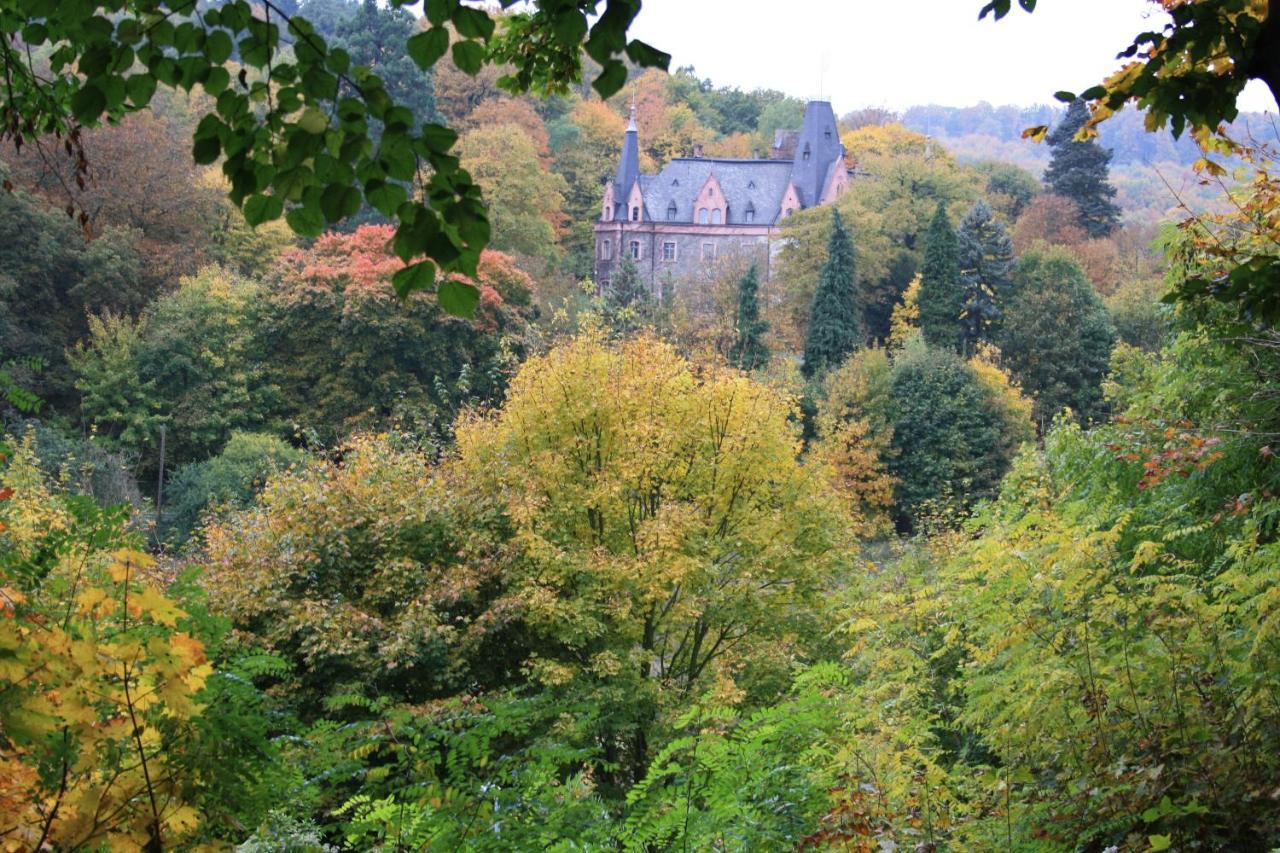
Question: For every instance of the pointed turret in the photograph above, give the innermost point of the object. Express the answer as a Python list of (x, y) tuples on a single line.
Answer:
[(817, 147), (629, 165)]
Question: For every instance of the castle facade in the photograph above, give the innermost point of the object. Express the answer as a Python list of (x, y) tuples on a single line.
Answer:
[(674, 225)]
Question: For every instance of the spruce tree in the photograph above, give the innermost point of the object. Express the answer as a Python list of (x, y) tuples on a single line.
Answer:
[(986, 267), (835, 320), (628, 304), (749, 351), (941, 289), (1079, 171)]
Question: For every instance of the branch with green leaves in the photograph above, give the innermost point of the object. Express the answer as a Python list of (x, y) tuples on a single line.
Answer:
[(293, 120)]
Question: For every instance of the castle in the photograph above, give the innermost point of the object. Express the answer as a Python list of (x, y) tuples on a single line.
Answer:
[(673, 225)]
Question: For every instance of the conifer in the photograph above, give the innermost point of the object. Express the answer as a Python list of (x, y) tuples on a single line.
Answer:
[(986, 267), (835, 320), (749, 349), (1079, 171), (941, 290)]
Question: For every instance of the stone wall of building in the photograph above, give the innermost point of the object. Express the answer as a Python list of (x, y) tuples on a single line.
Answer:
[(679, 253)]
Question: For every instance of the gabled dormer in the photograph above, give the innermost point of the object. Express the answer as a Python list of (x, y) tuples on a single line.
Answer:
[(710, 207), (635, 211), (790, 202), (836, 181), (609, 205)]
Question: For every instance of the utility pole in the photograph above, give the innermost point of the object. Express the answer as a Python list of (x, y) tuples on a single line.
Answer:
[(160, 484)]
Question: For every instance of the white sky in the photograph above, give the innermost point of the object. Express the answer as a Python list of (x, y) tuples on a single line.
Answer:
[(898, 53)]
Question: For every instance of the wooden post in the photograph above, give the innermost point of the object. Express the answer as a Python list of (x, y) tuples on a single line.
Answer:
[(160, 484)]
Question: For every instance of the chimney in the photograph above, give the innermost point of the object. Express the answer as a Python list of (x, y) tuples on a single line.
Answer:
[(697, 150)]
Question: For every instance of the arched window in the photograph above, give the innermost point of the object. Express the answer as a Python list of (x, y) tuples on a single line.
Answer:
[(606, 251), (715, 216), (635, 214), (671, 210), (635, 250), (608, 212), (702, 216)]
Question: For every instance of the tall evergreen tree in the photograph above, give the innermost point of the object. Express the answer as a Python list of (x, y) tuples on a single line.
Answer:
[(1079, 171), (941, 289), (835, 320), (986, 268), (375, 36), (749, 349)]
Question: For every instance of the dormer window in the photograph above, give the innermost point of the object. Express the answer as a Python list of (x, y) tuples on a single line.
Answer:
[(805, 155), (675, 182), (751, 185), (827, 134), (702, 216), (671, 210), (749, 215), (715, 216), (635, 214)]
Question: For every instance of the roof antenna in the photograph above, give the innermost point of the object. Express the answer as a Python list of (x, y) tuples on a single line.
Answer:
[(824, 62)]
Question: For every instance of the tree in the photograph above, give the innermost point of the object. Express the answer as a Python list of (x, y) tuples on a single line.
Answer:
[(835, 319), (291, 136), (1057, 336), (629, 305), (749, 350), (348, 354), (942, 292), (953, 437), (377, 38), (194, 364), (661, 530), (1078, 171), (986, 264), (1053, 219), (525, 199)]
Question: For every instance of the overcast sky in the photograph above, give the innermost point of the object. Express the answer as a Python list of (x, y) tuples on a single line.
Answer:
[(896, 53)]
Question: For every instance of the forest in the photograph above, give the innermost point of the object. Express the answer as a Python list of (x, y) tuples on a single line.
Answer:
[(340, 508)]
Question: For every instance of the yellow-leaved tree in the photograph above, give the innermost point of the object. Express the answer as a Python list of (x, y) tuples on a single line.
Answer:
[(665, 541), (95, 679)]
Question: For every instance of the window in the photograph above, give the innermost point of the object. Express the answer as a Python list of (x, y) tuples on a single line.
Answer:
[(606, 250), (635, 250), (702, 216), (669, 251), (806, 152), (749, 214), (708, 251), (671, 210), (608, 213), (827, 133), (751, 185), (715, 216), (787, 213), (635, 214)]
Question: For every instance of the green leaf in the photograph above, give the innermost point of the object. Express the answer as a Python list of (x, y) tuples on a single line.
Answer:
[(1065, 96), (385, 197), (472, 23), (1160, 842), (458, 298), (469, 57), (611, 79), (218, 46), (140, 88), (306, 221), (339, 201), (88, 103), (206, 150), (647, 56), (426, 48), (419, 276), (313, 121), (260, 208)]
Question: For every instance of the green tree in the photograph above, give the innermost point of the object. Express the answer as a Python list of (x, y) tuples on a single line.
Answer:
[(986, 264), (1056, 337), (629, 305), (1078, 171), (226, 482), (376, 37), (749, 349), (941, 298), (953, 437), (835, 318), (525, 199)]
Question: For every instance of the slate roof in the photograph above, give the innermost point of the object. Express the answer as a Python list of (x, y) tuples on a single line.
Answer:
[(760, 183), (821, 139)]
